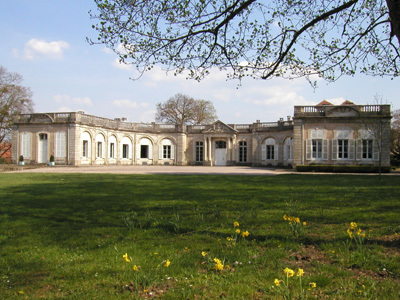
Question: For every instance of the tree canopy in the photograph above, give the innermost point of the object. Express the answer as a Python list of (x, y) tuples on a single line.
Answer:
[(182, 109), (261, 39), (14, 99)]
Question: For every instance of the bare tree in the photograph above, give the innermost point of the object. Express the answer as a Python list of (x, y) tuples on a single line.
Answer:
[(262, 39), (204, 112), (182, 109), (14, 99)]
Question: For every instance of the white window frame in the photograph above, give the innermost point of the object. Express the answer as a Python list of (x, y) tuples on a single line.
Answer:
[(316, 139), (199, 151)]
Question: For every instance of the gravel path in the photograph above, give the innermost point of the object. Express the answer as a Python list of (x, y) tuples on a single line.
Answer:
[(231, 170)]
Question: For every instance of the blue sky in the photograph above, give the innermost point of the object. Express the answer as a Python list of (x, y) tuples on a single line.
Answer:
[(45, 42)]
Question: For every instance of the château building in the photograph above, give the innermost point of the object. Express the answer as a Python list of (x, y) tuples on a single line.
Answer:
[(322, 134)]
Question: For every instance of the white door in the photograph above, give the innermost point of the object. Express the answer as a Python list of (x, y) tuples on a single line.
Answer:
[(220, 157), (42, 149)]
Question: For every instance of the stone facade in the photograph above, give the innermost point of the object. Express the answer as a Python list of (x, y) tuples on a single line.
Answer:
[(328, 134)]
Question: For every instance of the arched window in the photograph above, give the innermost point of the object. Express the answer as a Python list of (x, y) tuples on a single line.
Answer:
[(100, 146), (166, 149), (86, 145), (269, 150), (145, 149), (126, 148), (112, 142)]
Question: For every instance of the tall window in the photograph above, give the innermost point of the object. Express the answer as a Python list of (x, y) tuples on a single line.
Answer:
[(144, 151), (288, 150), (243, 151), (167, 151), (125, 151), (270, 151), (343, 149), (317, 148), (367, 149), (99, 149), (85, 148), (112, 150), (199, 151), (316, 145)]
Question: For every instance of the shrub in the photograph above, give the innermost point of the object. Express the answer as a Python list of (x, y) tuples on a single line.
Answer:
[(342, 168)]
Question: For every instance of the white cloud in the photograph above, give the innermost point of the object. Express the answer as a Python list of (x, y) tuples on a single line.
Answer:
[(68, 100), (34, 48), (125, 103), (64, 109), (129, 104)]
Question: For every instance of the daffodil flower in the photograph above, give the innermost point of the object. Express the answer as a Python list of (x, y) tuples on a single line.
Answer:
[(300, 272), (126, 257), (167, 263)]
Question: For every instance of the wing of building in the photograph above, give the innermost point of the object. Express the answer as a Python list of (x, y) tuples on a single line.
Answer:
[(322, 134)]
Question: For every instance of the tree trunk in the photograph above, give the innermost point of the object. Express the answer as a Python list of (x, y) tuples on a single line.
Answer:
[(394, 13)]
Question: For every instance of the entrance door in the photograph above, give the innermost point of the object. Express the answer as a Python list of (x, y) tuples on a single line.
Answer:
[(42, 149), (220, 153)]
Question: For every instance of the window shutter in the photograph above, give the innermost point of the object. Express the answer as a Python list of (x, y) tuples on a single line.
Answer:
[(151, 151), (334, 149), (172, 151), (26, 145), (359, 149), (376, 150), (276, 149), (160, 151), (138, 151), (308, 149), (263, 152), (325, 149), (351, 149)]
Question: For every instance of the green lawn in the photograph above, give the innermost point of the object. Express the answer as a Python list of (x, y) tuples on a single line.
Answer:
[(63, 236)]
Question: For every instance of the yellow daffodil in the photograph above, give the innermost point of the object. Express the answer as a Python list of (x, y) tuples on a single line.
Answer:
[(236, 224), (313, 285), (288, 272), (135, 268), (277, 282), (237, 231), (245, 233), (300, 272), (285, 217), (204, 253), (353, 225), (218, 264), (167, 263), (304, 223), (126, 257), (350, 233)]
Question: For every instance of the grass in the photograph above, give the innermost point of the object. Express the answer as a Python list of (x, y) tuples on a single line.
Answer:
[(63, 236)]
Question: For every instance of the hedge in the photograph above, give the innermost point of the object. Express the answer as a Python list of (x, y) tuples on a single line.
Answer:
[(342, 168)]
